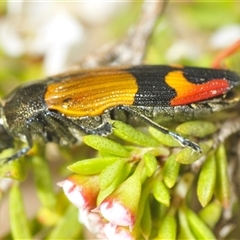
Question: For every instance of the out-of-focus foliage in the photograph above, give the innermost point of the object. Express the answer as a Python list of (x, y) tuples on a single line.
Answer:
[(188, 33)]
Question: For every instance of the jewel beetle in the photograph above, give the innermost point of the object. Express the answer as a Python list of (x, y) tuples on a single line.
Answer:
[(64, 107)]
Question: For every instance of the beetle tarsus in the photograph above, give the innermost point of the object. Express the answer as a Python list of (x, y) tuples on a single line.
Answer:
[(15, 156), (185, 142)]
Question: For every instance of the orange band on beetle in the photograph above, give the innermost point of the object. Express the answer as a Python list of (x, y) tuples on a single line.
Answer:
[(90, 93), (188, 92)]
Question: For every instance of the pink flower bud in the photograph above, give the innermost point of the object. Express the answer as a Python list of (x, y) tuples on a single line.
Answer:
[(120, 208), (116, 213), (93, 221), (82, 191)]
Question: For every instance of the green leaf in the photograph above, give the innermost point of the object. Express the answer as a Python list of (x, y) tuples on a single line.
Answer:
[(211, 213), (164, 139), (188, 155), (115, 183), (207, 180), (196, 128), (161, 193), (68, 227), (167, 229), (198, 227), (185, 231), (222, 180), (146, 221), (92, 165), (43, 181), (14, 169), (18, 217), (108, 175), (105, 145), (130, 134), (150, 163), (170, 171)]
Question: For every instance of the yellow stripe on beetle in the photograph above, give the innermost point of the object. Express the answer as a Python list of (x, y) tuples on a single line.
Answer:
[(90, 95)]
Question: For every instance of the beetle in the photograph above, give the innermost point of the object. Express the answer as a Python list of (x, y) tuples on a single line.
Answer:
[(64, 107)]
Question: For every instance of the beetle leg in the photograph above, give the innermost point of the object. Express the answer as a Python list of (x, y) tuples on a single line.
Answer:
[(21, 152), (17, 155), (60, 128), (104, 128), (183, 141)]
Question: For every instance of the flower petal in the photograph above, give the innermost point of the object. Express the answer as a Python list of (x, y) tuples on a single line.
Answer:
[(115, 212), (117, 232)]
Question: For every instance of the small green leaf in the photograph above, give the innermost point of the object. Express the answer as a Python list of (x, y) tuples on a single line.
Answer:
[(165, 139), (146, 221), (198, 227), (43, 181), (185, 231), (161, 193), (105, 145), (108, 175), (115, 183), (92, 165), (18, 217), (211, 213), (150, 163), (170, 171), (207, 180), (222, 180), (14, 169), (188, 155), (167, 229), (68, 227), (130, 134), (197, 128)]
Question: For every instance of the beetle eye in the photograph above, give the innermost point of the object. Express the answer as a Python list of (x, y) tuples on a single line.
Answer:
[(6, 141)]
